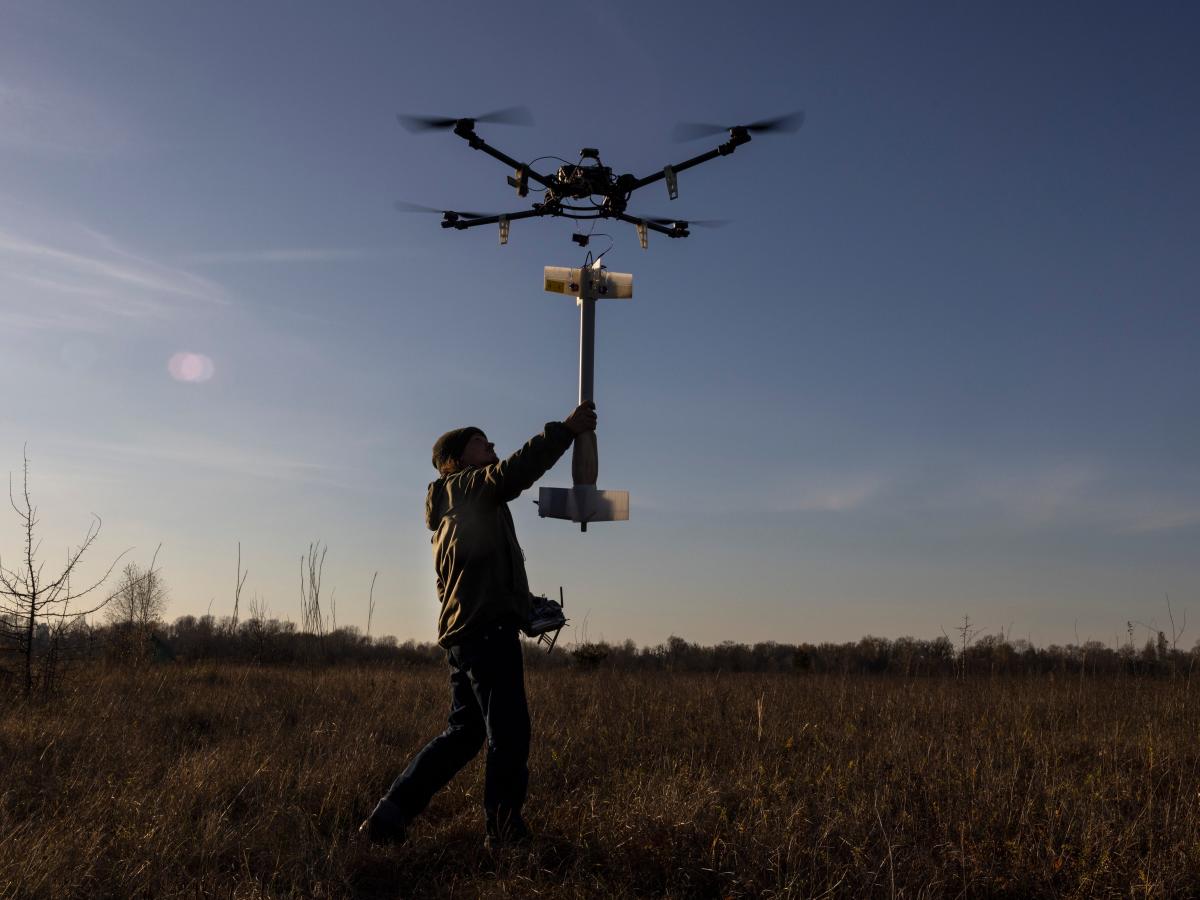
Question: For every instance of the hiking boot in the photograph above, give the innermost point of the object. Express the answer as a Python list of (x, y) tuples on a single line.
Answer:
[(386, 824), (512, 833)]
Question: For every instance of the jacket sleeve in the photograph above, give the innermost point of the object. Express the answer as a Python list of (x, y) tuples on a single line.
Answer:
[(505, 480)]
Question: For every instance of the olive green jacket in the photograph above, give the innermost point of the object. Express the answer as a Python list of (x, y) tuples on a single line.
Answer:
[(480, 567)]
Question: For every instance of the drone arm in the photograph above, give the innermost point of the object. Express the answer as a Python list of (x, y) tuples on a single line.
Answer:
[(460, 224), (479, 143), (737, 138), (653, 226)]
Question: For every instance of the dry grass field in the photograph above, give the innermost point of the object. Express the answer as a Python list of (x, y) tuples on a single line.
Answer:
[(181, 781)]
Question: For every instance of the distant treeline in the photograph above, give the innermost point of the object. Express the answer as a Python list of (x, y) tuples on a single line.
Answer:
[(275, 642)]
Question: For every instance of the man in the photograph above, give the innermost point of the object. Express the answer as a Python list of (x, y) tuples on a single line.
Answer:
[(485, 598)]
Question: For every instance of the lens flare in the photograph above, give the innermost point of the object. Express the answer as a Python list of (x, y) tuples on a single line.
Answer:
[(193, 368)]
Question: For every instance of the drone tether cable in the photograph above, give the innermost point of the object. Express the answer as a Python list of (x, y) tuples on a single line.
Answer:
[(611, 243)]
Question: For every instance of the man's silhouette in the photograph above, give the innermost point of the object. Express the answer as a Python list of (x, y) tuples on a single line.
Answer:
[(485, 598)]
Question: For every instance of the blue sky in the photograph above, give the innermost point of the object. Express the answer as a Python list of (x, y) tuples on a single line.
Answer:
[(941, 362)]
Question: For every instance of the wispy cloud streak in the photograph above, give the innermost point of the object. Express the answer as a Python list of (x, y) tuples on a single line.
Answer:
[(45, 121), (203, 453), (138, 272), (1075, 495), (832, 495), (54, 283), (284, 255), (1153, 516)]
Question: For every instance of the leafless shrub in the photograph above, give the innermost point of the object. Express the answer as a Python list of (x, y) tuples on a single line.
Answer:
[(313, 618), (140, 597), (37, 609), (134, 610), (238, 583), (371, 603), (589, 655)]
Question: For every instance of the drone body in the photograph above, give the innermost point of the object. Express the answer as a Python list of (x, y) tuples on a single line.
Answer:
[(586, 189)]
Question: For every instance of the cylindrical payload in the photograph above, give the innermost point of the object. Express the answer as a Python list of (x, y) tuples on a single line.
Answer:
[(584, 503), (585, 454)]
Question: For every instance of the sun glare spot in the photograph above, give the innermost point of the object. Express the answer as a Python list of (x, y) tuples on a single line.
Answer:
[(190, 367)]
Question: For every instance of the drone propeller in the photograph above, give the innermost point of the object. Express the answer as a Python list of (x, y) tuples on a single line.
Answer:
[(513, 115), (406, 207), (702, 223), (688, 131)]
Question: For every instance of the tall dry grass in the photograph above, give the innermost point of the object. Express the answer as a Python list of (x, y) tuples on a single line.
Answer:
[(249, 782)]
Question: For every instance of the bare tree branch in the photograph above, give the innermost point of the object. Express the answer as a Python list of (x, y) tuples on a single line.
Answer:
[(37, 611)]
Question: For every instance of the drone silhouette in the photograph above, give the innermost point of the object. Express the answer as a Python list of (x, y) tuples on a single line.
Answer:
[(586, 181)]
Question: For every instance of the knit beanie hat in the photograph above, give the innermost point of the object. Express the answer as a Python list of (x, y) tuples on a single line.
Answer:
[(450, 446)]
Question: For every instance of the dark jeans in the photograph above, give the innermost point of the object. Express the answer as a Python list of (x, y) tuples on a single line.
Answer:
[(487, 701)]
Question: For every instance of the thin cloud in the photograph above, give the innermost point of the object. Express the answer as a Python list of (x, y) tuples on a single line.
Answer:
[(1042, 495), (137, 272), (197, 452), (90, 284), (837, 495), (98, 299), (1081, 494), (16, 321), (61, 287), (816, 492), (284, 255), (45, 121), (1162, 515)]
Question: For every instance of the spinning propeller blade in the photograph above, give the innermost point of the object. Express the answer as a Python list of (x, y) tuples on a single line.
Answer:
[(512, 115), (703, 223), (407, 207), (689, 131)]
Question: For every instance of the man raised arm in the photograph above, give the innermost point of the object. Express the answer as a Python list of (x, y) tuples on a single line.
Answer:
[(484, 596)]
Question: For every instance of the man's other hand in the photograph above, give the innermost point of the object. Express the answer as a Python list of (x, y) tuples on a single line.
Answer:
[(582, 419)]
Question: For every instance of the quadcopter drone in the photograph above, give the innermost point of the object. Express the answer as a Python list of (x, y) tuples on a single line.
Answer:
[(586, 189)]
